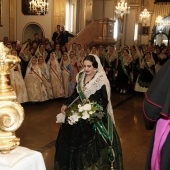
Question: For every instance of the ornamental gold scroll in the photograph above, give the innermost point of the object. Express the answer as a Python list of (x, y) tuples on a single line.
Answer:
[(11, 112)]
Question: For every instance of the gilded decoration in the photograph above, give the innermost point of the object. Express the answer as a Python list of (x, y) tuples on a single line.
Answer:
[(11, 112)]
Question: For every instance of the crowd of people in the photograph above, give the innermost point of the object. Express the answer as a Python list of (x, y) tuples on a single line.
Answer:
[(48, 69)]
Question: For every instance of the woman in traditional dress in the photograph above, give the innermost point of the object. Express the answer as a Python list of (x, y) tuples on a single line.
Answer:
[(86, 49), (102, 55), (136, 62), (94, 50), (9, 46), (17, 82), (25, 56), (41, 51), (48, 49), (34, 45), (79, 48), (75, 68), (57, 52), (74, 49), (45, 76), (124, 72), (18, 47), (147, 73), (111, 65), (67, 75), (34, 83), (81, 59), (89, 145), (64, 49), (157, 118), (55, 77), (162, 58)]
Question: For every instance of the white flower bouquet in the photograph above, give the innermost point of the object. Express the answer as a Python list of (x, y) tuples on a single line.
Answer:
[(90, 111)]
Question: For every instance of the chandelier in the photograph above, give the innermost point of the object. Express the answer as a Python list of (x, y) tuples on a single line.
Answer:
[(39, 6), (158, 20), (144, 15), (122, 8)]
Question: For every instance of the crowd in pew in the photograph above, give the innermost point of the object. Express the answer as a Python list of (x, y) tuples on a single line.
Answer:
[(48, 70)]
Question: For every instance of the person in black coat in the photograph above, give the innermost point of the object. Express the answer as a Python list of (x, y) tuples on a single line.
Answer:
[(156, 109), (64, 35), (80, 146), (57, 36), (36, 39)]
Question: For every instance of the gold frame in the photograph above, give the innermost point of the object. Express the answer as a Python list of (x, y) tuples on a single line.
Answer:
[(25, 8), (145, 30)]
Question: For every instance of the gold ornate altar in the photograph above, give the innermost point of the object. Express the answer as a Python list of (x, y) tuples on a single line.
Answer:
[(11, 112)]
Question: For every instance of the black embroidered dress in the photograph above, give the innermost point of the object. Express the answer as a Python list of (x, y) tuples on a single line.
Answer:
[(80, 146)]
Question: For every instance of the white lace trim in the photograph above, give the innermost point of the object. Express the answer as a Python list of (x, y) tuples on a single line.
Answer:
[(95, 84)]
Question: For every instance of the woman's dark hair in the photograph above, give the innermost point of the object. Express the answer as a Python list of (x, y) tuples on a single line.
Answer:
[(126, 50), (92, 59)]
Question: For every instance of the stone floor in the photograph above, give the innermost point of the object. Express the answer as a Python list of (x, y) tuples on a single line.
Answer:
[(39, 129)]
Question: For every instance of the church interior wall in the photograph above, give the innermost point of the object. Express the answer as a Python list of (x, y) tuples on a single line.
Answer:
[(4, 29), (84, 12), (45, 21)]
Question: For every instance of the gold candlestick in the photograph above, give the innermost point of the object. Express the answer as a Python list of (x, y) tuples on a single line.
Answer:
[(11, 112)]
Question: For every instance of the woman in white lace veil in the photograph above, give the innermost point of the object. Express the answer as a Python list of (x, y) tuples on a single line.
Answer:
[(89, 145), (101, 70), (34, 83), (25, 56), (106, 82)]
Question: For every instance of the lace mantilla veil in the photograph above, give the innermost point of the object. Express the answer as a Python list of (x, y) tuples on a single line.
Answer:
[(93, 88)]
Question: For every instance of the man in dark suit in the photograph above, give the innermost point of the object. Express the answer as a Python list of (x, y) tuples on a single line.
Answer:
[(64, 35), (57, 36), (36, 39)]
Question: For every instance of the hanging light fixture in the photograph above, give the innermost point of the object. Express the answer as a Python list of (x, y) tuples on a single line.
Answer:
[(159, 23), (122, 8), (158, 20), (144, 16), (39, 6)]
